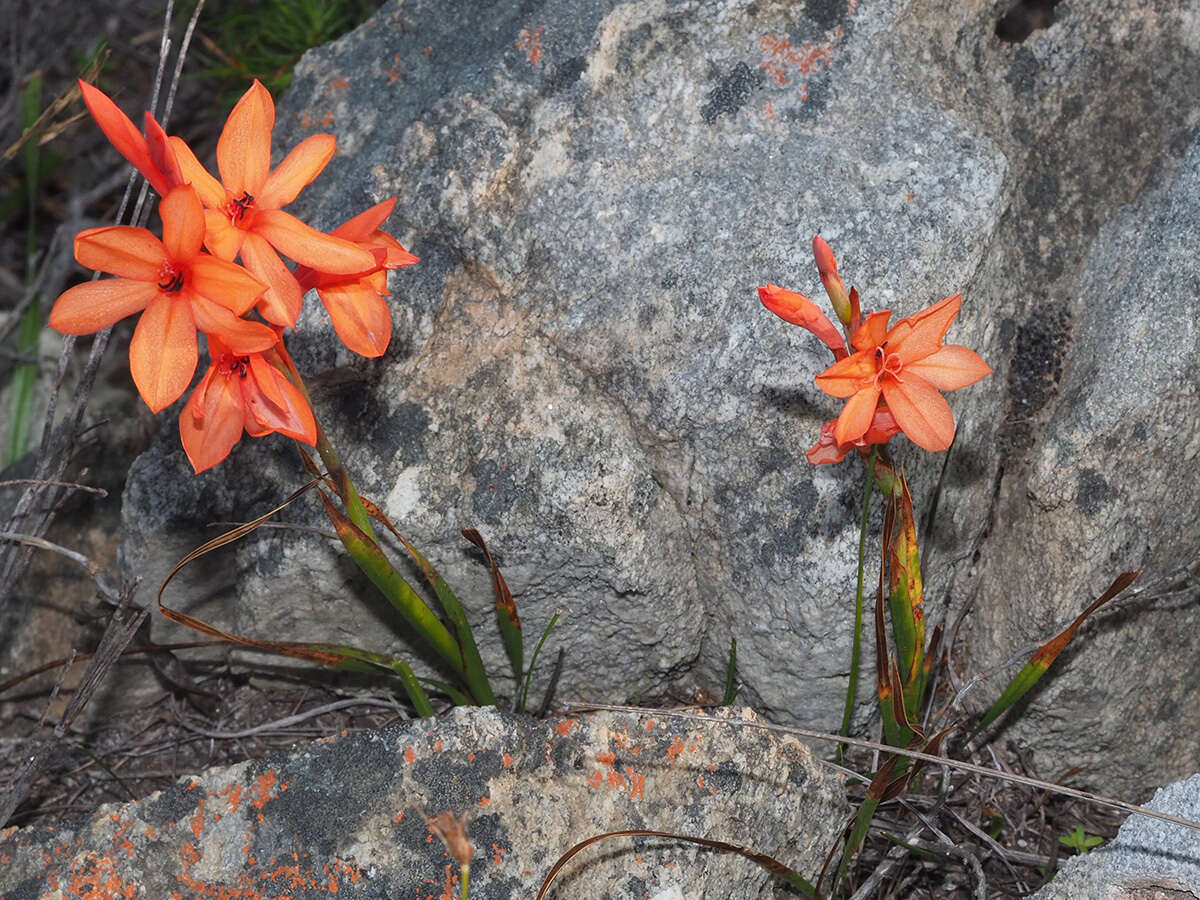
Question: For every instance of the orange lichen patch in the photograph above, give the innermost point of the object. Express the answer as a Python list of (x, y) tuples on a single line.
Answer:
[(264, 789), (497, 850), (650, 723), (120, 840), (508, 760), (448, 885), (409, 756), (428, 50), (484, 801), (676, 748), (530, 43), (783, 60), (95, 878), (338, 84), (197, 821), (399, 818), (437, 746), (233, 796), (396, 72), (190, 855), (769, 110), (637, 782), (703, 786), (565, 727)]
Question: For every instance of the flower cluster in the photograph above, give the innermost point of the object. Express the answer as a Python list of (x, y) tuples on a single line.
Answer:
[(190, 280), (890, 378)]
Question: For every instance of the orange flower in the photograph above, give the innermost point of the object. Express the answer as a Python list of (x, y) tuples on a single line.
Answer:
[(179, 288), (799, 310), (882, 429), (905, 366), (241, 391), (244, 214), (151, 154), (355, 302)]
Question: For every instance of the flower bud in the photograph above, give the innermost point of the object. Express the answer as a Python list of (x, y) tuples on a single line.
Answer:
[(827, 266)]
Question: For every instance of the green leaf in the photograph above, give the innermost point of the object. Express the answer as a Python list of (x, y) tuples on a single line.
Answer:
[(533, 662), (1033, 670), (1080, 841), (731, 685), (399, 593), (507, 619)]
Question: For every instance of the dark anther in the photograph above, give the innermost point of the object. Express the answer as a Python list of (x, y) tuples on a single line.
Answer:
[(242, 366), (173, 285), (243, 203)]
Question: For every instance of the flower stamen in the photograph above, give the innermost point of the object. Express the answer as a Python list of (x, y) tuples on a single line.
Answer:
[(240, 206)]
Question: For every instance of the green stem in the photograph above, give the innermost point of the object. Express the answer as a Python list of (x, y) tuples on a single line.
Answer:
[(856, 649)]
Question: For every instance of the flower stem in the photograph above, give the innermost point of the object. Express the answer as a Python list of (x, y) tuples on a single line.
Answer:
[(856, 648)]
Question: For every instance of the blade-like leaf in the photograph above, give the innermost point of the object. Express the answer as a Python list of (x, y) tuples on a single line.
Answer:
[(400, 594), (731, 686), (506, 608), (533, 661), (1046, 654), (472, 664)]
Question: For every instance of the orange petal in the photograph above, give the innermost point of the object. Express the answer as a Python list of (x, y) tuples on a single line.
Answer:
[(226, 283), (91, 307), (297, 171), (162, 153), (397, 256), (281, 303), (212, 421), (293, 418), (222, 238), (262, 372), (121, 250), (123, 134), (921, 412), (826, 449), (242, 336), (366, 222), (244, 148), (846, 376), (310, 247), (162, 354), (925, 330), (360, 317), (872, 332), (799, 310), (856, 415), (950, 368), (212, 193), (183, 223)]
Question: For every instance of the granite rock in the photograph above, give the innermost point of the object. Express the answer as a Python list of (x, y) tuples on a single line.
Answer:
[(1149, 859), (345, 815), (581, 370)]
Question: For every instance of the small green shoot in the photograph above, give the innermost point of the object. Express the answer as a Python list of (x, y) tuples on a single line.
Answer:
[(1080, 841)]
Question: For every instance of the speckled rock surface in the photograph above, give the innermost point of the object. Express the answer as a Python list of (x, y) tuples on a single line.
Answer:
[(340, 816), (581, 368), (1148, 859)]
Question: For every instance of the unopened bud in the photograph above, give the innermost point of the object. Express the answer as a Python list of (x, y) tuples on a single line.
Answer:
[(827, 267)]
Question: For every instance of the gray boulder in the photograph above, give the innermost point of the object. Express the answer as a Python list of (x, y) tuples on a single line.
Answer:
[(1149, 859), (581, 369), (345, 815)]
